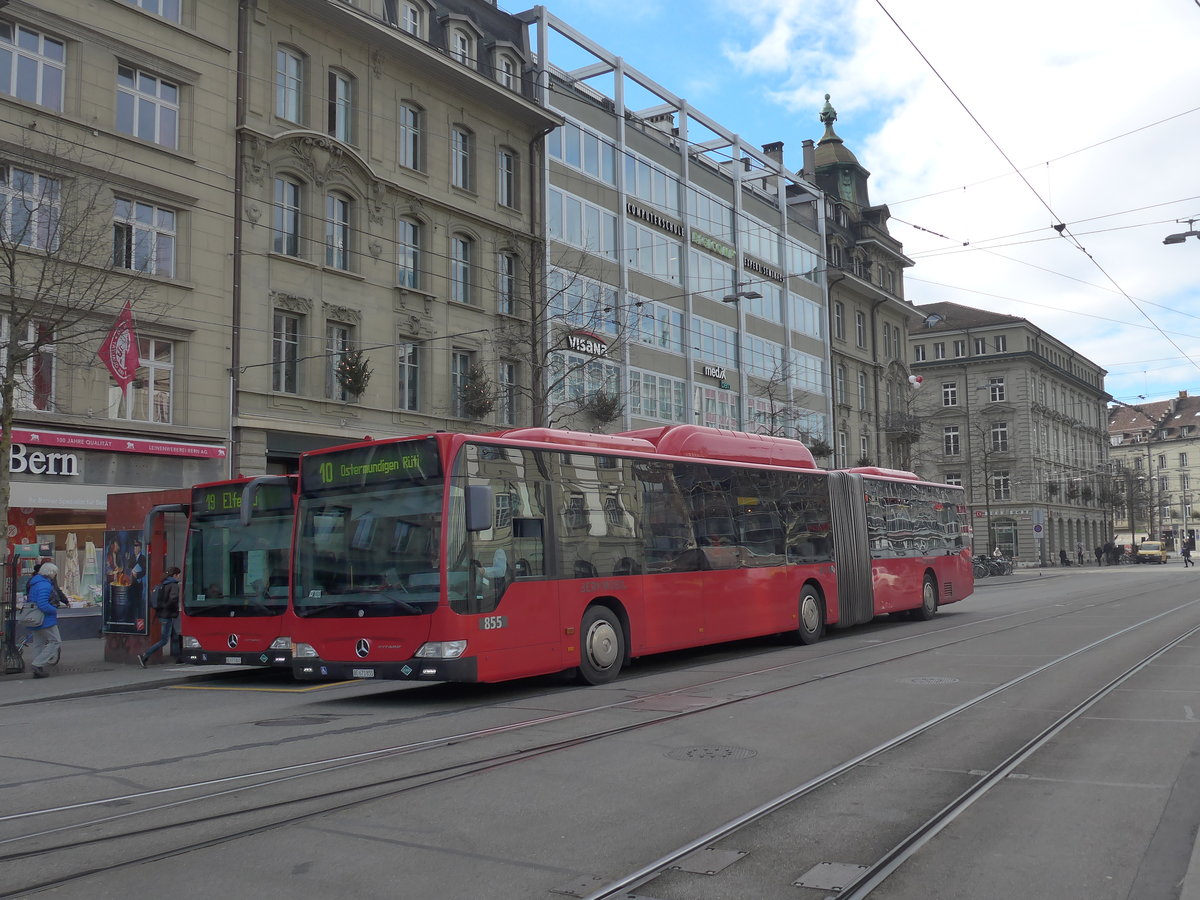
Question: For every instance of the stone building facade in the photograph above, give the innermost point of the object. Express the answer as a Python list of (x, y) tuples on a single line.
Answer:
[(1018, 418)]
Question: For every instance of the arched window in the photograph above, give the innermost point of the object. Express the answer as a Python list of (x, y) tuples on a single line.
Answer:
[(462, 253), (337, 231), (408, 240)]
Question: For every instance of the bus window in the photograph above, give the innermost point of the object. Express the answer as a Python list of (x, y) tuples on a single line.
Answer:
[(482, 565)]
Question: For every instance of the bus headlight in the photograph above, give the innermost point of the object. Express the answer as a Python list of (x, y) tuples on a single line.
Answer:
[(303, 651), (281, 643), (191, 643), (442, 650)]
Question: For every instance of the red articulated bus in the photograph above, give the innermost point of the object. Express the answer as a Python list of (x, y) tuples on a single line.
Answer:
[(235, 578), (486, 557)]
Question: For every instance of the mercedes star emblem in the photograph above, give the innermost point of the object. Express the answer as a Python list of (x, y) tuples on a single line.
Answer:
[(362, 648), (232, 641)]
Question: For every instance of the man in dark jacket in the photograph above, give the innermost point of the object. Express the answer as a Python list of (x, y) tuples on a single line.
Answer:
[(45, 638), (168, 613)]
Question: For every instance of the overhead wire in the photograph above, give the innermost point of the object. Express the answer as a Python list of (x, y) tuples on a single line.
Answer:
[(1059, 222)]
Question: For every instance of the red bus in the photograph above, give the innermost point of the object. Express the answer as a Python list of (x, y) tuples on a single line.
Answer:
[(234, 606), (486, 557)]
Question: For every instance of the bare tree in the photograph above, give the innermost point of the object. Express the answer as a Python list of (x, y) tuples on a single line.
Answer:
[(66, 270), (566, 326)]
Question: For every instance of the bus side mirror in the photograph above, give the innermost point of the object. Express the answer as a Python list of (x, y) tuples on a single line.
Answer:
[(479, 507)]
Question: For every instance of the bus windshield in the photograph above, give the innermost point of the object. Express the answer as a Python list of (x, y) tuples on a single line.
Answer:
[(369, 552), (237, 571)]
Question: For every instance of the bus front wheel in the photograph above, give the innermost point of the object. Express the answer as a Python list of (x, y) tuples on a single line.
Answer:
[(929, 601), (812, 617), (602, 648)]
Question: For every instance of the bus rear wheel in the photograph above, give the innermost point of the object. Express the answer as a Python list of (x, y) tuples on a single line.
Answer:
[(929, 601), (811, 626), (602, 646)]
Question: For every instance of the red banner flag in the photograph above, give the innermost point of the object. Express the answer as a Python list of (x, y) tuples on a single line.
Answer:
[(119, 352)]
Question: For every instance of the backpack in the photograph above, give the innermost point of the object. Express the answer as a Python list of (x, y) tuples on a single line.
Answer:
[(156, 597)]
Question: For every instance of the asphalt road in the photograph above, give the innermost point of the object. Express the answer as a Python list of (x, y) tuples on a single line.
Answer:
[(242, 784)]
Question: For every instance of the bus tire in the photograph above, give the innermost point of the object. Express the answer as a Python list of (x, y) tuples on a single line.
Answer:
[(811, 624), (602, 646), (929, 601)]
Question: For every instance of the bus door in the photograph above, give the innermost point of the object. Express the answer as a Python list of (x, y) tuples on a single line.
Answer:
[(497, 575), (851, 550)]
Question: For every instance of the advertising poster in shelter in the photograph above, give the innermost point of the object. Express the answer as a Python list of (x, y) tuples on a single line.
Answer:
[(125, 583)]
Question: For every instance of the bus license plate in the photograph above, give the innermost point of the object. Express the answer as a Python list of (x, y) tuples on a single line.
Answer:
[(233, 660), (362, 673)]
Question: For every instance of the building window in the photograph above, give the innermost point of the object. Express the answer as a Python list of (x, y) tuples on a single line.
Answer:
[(460, 158), (460, 374), (1000, 343), (148, 397), (337, 232), (506, 283), (862, 390), (411, 20), (1001, 485), (919, 353), (996, 389), (860, 329), (939, 350), (887, 337), (949, 393), (285, 353), (462, 47), (287, 217), (843, 449), (338, 342), (1182, 460), (839, 320), (32, 66), (33, 371), (954, 478), (341, 107), (950, 445), (167, 9), (30, 208), (147, 107), (506, 72), (506, 178), (409, 363), (1000, 437), (656, 396), (408, 243), (840, 384), (960, 349), (144, 238), (506, 405), (410, 136), (980, 346), (289, 85), (462, 248)]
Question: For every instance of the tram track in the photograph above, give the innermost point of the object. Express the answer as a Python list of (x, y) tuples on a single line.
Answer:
[(110, 830), (873, 875)]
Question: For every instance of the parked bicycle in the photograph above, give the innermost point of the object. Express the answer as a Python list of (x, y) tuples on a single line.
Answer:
[(986, 566)]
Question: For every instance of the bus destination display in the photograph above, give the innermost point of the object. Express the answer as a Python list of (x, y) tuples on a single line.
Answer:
[(371, 465), (226, 499)]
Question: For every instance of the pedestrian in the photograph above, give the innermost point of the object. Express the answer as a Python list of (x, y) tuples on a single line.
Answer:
[(1063, 559), (45, 638), (1187, 556), (996, 554), (1099, 551), (168, 614), (1079, 552)]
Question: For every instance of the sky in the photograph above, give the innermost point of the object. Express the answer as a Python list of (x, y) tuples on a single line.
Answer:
[(984, 126)]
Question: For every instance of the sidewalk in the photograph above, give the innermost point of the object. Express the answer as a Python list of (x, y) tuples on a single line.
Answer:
[(82, 671)]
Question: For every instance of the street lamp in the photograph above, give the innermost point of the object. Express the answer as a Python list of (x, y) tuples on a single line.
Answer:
[(1182, 236)]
